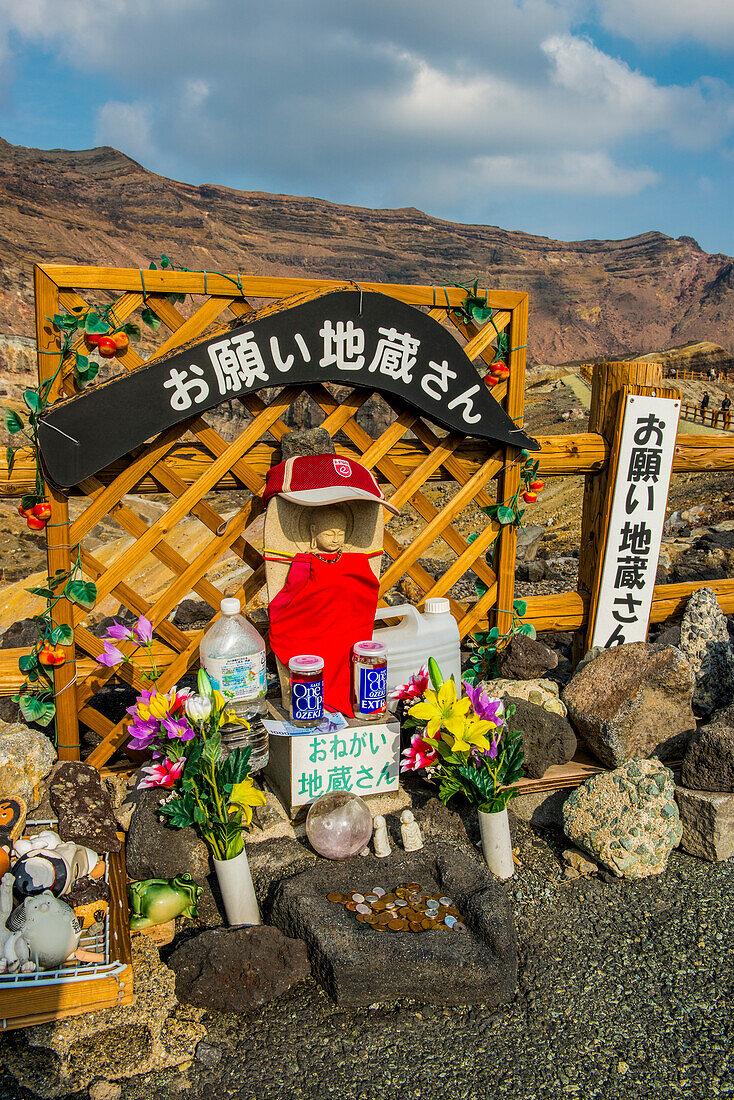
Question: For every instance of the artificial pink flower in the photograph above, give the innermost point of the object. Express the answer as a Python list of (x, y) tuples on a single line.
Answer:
[(111, 656), (415, 688), (143, 631), (118, 632), (421, 753), (163, 774)]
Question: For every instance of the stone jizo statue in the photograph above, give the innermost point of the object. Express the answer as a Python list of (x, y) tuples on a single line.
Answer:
[(410, 832), (380, 838)]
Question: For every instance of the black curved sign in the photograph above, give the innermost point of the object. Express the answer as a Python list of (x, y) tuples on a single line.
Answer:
[(351, 337)]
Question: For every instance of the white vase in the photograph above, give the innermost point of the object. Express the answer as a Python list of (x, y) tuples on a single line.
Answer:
[(238, 893), (494, 830)]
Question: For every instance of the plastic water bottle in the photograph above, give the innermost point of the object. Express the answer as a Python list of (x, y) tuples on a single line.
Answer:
[(232, 654)]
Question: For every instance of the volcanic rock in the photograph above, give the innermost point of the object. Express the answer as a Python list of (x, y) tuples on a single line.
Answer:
[(83, 807), (235, 969), (547, 737), (708, 823), (705, 643), (544, 693), (358, 966), (709, 761), (525, 658), (26, 758), (626, 819), (306, 441), (632, 700)]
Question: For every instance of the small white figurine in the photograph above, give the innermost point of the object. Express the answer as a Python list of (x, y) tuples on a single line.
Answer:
[(14, 951), (410, 832), (48, 928), (380, 838), (47, 863)]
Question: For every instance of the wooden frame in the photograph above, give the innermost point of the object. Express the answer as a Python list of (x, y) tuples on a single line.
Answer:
[(171, 463)]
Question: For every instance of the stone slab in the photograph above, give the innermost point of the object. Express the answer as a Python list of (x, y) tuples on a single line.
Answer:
[(358, 966), (707, 818)]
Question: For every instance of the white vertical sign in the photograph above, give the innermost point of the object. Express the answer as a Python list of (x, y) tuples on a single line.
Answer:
[(649, 431)]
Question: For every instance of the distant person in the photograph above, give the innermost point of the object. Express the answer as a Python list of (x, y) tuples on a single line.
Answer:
[(725, 407), (704, 405)]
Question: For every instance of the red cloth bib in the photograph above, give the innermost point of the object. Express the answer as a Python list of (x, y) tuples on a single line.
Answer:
[(324, 607)]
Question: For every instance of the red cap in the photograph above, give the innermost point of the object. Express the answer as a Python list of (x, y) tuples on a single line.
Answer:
[(323, 479)]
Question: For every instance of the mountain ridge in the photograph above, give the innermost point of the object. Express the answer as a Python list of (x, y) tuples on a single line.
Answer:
[(587, 298)]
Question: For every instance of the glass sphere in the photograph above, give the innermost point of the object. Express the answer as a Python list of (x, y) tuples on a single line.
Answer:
[(339, 825)]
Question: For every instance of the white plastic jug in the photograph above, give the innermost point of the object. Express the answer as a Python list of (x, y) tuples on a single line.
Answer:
[(433, 633)]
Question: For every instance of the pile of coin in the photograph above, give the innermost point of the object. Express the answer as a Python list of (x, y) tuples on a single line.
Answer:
[(408, 908)]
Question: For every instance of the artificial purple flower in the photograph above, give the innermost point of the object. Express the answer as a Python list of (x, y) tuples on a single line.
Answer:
[(143, 631), (111, 656), (486, 708), (141, 738), (118, 632), (177, 728)]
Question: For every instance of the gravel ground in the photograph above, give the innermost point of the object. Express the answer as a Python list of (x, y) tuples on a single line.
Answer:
[(624, 991)]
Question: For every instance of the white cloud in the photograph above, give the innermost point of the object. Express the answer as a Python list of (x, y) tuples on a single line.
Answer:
[(710, 22), (377, 102), (126, 126)]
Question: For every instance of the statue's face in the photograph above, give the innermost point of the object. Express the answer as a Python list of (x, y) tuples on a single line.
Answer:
[(328, 530)]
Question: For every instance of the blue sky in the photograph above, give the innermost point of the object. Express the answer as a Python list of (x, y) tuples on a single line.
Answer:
[(569, 118)]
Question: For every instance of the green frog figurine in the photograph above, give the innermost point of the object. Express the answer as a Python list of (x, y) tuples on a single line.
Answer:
[(158, 900)]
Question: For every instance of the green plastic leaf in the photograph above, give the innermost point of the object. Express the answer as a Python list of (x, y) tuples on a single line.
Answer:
[(81, 362), (152, 266), (29, 500), (520, 606), (480, 587), (32, 400), (45, 593), (165, 262), (27, 662), (65, 322), (33, 709), (62, 635), (474, 535), (149, 318), (93, 323), (84, 377), (493, 634), (480, 314), (180, 812), (82, 593), (176, 298), (505, 515), (131, 329), (13, 421), (10, 459), (528, 629)]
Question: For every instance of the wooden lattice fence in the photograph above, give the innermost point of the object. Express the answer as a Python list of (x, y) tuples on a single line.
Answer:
[(165, 464)]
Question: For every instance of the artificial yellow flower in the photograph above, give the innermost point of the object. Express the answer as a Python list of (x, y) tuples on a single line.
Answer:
[(473, 732), (158, 706), (244, 796), (441, 710), (228, 716)]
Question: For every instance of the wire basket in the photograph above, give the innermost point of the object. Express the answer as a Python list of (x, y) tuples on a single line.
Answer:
[(75, 986)]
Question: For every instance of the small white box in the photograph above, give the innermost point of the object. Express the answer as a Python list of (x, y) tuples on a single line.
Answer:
[(363, 757)]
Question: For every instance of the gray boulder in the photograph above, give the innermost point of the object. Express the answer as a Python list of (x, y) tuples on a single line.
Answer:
[(26, 758), (709, 761), (525, 658), (306, 441), (547, 737), (626, 819), (633, 700), (235, 969), (705, 643), (359, 966), (707, 818)]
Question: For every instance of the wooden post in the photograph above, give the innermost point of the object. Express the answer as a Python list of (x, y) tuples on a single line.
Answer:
[(508, 482), (58, 551), (607, 382)]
